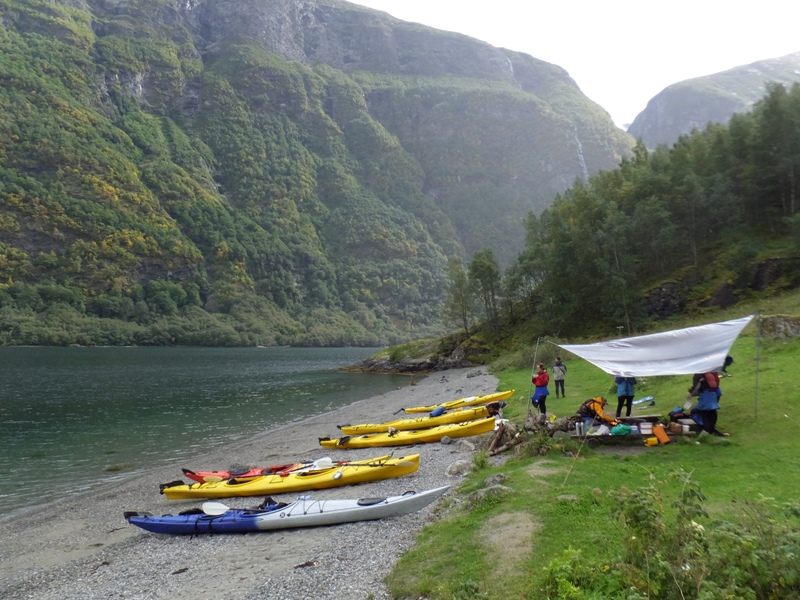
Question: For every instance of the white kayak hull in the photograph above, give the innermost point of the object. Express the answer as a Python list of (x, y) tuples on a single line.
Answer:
[(303, 512)]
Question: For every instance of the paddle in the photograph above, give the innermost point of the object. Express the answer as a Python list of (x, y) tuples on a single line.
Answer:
[(214, 509), (322, 463), (338, 473), (405, 463), (382, 463)]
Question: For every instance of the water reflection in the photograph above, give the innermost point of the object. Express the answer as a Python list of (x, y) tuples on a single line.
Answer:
[(72, 417)]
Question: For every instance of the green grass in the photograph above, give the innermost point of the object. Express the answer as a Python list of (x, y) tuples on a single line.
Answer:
[(571, 504)]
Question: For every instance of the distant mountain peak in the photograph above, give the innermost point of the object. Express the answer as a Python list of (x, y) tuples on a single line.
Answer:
[(694, 103)]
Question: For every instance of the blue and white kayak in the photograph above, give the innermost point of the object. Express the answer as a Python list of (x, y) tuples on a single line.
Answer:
[(645, 399), (215, 517)]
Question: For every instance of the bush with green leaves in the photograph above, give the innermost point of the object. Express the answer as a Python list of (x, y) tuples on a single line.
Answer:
[(670, 554)]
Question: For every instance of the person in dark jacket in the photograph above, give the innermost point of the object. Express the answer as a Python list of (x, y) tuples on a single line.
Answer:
[(723, 372), (559, 374), (625, 393)]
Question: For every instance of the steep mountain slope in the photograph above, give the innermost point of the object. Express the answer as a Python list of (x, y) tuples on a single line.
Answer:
[(694, 103), (301, 170)]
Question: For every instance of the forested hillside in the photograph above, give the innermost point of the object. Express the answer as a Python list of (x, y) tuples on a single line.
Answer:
[(674, 233), (713, 221), (263, 172)]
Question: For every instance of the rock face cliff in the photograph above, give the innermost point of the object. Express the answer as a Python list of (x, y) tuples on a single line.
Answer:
[(694, 103), (305, 161), (440, 94)]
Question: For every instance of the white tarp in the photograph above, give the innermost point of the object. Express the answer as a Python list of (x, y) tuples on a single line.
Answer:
[(678, 352)]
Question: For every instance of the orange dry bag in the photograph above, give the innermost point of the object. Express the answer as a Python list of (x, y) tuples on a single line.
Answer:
[(659, 432)]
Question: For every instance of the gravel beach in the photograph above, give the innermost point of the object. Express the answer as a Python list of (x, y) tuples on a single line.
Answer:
[(82, 548)]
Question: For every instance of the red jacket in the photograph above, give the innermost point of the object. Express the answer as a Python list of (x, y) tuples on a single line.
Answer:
[(541, 379)]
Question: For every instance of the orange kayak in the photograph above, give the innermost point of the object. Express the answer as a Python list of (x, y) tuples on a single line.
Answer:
[(245, 473)]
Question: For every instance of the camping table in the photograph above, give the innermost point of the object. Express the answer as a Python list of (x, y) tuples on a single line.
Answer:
[(622, 440), (633, 419)]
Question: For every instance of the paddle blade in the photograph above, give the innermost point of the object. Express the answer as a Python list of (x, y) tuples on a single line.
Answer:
[(214, 508), (322, 463)]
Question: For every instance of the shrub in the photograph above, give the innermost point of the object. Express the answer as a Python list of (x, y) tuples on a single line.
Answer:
[(753, 556), (480, 460)]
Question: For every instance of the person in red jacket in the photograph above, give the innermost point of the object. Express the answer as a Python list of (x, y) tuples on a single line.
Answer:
[(540, 380)]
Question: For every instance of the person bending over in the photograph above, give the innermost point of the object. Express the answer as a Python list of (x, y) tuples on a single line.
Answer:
[(706, 387), (593, 409)]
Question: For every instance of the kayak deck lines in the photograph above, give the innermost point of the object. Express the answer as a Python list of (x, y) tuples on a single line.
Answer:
[(402, 438)]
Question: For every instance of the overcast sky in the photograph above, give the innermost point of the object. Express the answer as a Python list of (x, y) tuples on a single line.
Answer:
[(620, 52)]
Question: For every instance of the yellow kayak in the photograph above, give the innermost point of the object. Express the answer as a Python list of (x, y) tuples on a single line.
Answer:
[(356, 471), (458, 415), (403, 438), (462, 402)]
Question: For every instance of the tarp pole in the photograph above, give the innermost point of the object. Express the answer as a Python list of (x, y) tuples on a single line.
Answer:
[(533, 367), (758, 364)]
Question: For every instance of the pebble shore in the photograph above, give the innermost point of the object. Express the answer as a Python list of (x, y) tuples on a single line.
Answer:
[(82, 548)]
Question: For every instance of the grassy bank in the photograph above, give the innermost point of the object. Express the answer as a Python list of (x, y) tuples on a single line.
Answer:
[(575, 517)]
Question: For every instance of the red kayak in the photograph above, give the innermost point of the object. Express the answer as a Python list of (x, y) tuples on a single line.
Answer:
[(245, 473)]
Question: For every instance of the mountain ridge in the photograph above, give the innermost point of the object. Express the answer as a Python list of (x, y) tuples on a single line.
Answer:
[(163, 158), (693, 103)]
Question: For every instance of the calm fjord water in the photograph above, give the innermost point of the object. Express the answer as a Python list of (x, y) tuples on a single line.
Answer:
[(72, 418)]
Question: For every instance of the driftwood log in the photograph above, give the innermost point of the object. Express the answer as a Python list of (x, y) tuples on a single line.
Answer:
[(498, 435), (504, 438), (517, 439), (535, 422), (507, 436)]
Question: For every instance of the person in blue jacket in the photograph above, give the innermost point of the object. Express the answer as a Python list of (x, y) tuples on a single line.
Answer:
[(705, 386), (625, 393)]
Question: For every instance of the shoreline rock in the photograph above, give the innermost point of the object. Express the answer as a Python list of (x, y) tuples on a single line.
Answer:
[(410, 366)]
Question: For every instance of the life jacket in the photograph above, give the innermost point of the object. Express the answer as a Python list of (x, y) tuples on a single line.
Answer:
[(587, 409), (494, 407)]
